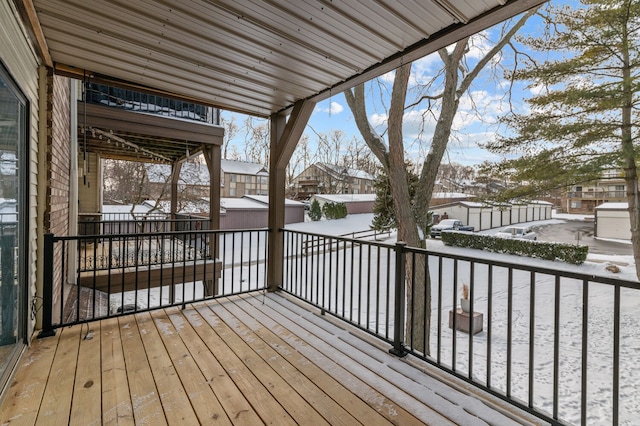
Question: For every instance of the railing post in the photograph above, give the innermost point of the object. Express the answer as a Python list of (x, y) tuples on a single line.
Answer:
[(399, 304), (47, 290)]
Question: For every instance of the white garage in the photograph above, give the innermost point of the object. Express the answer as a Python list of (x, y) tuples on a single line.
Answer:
[(612, 221)]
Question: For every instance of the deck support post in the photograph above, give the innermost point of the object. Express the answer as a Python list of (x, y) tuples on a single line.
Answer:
[(47, 291), (399, 305), (285, 135)]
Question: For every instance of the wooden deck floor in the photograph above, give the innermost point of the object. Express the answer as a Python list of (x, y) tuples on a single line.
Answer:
[(260, 359)]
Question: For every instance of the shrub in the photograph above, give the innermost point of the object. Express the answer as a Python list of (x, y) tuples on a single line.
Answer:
[(334, 210), (549, 251), (315, 213)]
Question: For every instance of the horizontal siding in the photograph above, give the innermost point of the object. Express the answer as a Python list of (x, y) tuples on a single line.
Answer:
[(18, 56)]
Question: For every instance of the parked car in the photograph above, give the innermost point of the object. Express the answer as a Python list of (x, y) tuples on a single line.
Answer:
[(517, 232), (449, 225)]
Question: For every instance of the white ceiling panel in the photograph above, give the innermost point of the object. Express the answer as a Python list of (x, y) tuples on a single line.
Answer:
[(254, 56)]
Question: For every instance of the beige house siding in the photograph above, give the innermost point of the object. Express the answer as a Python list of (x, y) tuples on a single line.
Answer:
[(18, 56), (315, 180), (238, 185), (89, 185)]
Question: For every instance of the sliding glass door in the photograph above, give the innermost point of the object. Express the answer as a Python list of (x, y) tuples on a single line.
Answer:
[(13, 205)]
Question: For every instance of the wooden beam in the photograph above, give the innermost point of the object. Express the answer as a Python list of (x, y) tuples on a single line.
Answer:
[(212, 155), (30, 18), (175, 176), (121, 120), (284, 139)]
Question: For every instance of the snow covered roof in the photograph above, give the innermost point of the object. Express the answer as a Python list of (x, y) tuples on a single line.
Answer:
[(243, 168), (613, 206), (339, 171), (8, 163), (265, 200), (194, 173), (450, 195), (126, 208), (346, 198), (242, 203)]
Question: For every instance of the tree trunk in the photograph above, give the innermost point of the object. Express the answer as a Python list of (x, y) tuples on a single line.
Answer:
[(628, 151), (394, 163)]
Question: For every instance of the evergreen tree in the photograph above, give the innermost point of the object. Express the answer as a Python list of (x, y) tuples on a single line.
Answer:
[(383, 213), (315, 212), (583, 119)]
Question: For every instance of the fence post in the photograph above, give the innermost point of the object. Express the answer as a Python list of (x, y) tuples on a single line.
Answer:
[(400, 303), (47, 289)]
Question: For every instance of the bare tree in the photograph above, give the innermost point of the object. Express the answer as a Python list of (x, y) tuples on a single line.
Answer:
[(231, 130), (442, 97), (257, 141)]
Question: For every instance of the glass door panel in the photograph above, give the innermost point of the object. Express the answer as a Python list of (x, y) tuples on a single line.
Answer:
[(12, 202)]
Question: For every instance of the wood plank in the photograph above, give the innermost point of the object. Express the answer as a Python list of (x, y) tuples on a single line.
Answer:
[(320, 346), (176, 405), (286, 364), (147, 408), (218, 380), (203, 400), (301, 411), (85, 407), (56, 403), (119, 280), (348, 400), (269, 410), (116, 400), (23, 398)]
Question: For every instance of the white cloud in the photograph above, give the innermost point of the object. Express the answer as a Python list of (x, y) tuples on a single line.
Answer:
[(333, 108)]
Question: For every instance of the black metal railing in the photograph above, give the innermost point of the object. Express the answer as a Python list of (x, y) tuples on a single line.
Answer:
[(121, 225), (143, 102), (98, 276), (559, 344)]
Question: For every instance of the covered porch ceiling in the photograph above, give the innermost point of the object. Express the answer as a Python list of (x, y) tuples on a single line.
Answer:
[(254, 57)]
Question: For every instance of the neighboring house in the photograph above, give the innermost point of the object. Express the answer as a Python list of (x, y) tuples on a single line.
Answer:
[(612, 221), (323, 178), (355, 203), (240, 178), (193, 182), (584, 198)]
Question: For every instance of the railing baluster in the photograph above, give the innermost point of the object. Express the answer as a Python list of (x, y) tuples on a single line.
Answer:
[(439, 343), (509, 330), (489, 322), (455, 315), (616, 355), (532, 322), (556, 347), (471, 313), (585, 349)]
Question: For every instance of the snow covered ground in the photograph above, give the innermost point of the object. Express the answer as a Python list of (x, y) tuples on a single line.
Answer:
[(329, 276)]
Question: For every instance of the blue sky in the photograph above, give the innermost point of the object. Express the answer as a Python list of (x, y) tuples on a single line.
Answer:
[(475, 123)]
